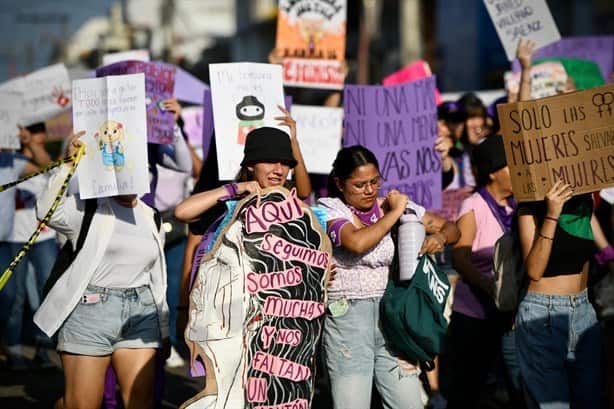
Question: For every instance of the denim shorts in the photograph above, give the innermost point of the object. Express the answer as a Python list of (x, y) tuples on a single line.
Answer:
[(107, 319)]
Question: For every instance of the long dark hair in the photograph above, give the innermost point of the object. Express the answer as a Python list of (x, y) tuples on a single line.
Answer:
[(346, 162)]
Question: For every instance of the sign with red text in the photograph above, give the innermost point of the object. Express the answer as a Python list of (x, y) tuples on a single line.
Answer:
[(518, 19), (569, 137), (258, 303), (311, 40)]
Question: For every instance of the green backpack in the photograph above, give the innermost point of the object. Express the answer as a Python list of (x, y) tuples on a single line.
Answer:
[(411, 313)]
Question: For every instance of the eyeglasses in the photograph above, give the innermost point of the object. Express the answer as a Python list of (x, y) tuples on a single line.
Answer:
[(360, 187)]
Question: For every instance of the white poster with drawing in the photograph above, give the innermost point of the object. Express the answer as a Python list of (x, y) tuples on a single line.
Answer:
[(318, 130), (547, 79), (111, 110), (10, 111), (133, 55), (46, 93), (245, 96), (522, 19)]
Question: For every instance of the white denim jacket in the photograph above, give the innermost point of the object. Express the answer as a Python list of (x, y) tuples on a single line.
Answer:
[(67, 291)]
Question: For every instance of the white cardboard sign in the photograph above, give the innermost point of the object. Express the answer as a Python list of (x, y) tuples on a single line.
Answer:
[(318, 130), (112, 112), (245, 96), (522, 19), (10, 111)]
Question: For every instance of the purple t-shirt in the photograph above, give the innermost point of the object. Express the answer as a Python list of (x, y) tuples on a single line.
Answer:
[(488, 231)]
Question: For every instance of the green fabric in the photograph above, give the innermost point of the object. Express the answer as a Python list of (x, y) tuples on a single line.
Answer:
[(578, 222), (412, 314), (586, 74)]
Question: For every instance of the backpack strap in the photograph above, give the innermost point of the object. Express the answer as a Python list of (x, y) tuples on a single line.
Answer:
[(157, 218), (90, 209)]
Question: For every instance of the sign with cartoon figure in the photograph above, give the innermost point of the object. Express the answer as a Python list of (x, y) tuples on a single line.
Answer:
[(569, 137), (245, 96), (257, 306), (159, 84), (111, 110), (311, 40), (46, 93)]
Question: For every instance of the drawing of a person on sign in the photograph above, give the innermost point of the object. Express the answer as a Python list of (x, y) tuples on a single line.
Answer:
[(250, 113)]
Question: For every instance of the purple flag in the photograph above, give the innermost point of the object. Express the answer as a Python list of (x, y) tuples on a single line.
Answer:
[(399, 124), (159, 84), (599, 49)]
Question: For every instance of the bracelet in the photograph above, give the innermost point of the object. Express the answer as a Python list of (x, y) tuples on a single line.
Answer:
[(545, 237), (232, 189), (554, 219), (604, 255)]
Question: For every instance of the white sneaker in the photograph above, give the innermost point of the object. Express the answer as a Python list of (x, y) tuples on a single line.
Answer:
[(174, 360)]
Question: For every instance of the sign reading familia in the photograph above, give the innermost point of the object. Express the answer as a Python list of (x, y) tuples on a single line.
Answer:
[(257, 304), (569, 137), (399, 124)]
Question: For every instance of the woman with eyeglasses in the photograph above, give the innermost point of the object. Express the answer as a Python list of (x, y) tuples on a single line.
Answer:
[(359, 224)]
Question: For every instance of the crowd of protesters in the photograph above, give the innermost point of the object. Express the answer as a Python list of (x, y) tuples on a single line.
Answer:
[(119, 311)]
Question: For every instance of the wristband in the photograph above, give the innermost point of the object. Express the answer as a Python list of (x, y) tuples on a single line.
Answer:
[(231, 192), (554, 219), (545, 237), (604, 255)]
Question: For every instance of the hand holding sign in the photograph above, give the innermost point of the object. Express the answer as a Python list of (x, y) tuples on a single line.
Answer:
[(556, 197), (525, 51)]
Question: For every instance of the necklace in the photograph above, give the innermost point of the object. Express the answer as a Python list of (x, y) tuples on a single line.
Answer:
[(370, 216)]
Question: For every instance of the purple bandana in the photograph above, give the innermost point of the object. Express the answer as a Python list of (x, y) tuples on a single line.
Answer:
[(370, 216)]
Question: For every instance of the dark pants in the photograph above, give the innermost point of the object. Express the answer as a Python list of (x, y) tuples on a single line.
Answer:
[(473, 347)]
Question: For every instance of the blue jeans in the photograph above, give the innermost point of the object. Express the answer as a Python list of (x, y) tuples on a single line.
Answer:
[(174, 264), (356, 353), (42, 255), (559, 351)]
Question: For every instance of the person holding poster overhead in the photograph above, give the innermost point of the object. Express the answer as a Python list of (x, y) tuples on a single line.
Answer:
[(557, 333), (359, 224), (109, 305)]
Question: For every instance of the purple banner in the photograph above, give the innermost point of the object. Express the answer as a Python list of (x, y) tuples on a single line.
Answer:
[(399, 124), (599, 49), (159, 85)]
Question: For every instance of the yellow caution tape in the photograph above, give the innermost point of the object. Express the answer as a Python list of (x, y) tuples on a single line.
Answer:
[(4, 278)]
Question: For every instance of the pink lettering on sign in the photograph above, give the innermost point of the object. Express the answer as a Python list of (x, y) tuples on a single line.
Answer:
[(283, 368), (267, 335), (287, 251), (290, 337), (268, 281), (281, 307), (295, 404), (260, 219), (256, 389)]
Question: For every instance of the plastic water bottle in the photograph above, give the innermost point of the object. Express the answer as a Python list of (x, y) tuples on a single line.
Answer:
[(411, 237)]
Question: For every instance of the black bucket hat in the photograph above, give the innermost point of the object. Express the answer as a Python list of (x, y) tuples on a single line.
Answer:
[(267, 144), (489, 156)]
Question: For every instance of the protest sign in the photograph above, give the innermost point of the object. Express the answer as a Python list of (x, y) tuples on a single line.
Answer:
[(46, 93), (257, 304), (599, 49), (585, 74), (132, 55), (414, 71), (111, 111), (159, 85), (59, 127), (514, 20), (193, 124), (399, 124), (547, 79), (318, 130), (245, 96), (10, 112), (569, 137), (451, 200), (311, 40)]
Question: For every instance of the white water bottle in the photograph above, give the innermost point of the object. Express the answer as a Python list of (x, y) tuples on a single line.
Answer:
[(411, 237)]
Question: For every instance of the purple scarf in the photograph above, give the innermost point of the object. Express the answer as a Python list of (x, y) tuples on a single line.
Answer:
[(370, 216), (499, 211)]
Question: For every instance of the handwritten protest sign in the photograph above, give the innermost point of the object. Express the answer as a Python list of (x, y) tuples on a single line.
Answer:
[(547, 79), (193, 124), (585, 74), (257, 305), (134, 55), (569, 137), (46, 93), (522, 19), (10, 112), (399, 124), (451, 200), (599, 49), (244, 96), (318, 131), (111, 111), (414, 71), (159, 85), (311, 39)]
